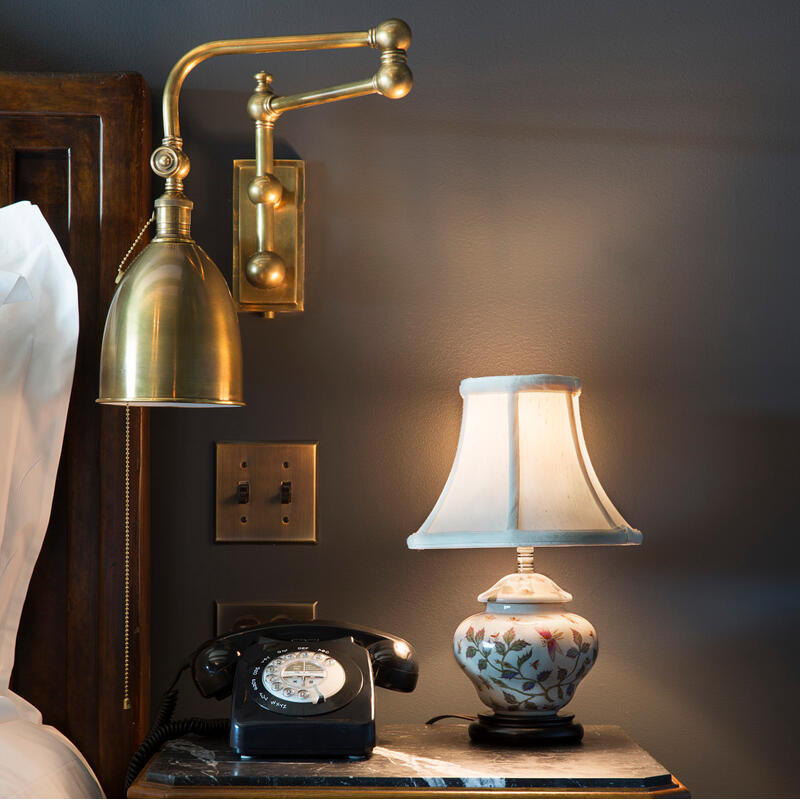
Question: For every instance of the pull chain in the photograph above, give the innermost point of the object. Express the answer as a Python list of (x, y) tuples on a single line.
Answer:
[(126, 655), (126, 695), (120, 270)]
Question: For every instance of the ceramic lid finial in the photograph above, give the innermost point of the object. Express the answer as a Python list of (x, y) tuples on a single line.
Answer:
[(525, 588)]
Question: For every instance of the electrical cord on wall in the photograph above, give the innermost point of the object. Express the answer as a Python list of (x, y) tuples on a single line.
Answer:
[(164, 728)]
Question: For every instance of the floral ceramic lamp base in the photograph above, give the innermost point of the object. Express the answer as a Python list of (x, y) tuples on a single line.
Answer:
[(525, 655)]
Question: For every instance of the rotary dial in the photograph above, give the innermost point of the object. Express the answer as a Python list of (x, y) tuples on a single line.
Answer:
[(303, 676)]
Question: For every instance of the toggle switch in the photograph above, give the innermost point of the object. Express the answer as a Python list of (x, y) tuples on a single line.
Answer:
[(266, 492)]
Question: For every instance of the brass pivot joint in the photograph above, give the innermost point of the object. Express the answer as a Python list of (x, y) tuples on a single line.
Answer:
[(171, 163), (276, 264), (394, 78)]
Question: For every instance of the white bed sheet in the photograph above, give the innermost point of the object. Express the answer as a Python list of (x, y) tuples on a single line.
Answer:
[(38, 341)]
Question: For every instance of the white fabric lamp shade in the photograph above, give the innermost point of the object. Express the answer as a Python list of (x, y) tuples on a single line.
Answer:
[(522, 475)]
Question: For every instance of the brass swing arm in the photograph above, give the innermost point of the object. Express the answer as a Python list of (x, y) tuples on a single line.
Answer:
[(393, 79)]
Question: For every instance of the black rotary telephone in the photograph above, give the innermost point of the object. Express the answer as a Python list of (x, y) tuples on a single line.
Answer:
[(300, 689), (304, 689)]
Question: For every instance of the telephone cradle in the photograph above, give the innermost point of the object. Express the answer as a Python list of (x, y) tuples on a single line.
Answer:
[(298, 690)]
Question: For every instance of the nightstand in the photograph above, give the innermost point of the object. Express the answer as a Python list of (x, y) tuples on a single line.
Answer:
[(416, 761)]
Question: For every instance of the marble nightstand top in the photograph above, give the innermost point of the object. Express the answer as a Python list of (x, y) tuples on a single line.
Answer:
[(420, 756)]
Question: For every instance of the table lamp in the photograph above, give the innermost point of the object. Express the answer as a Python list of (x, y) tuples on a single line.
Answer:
[(522, 478)]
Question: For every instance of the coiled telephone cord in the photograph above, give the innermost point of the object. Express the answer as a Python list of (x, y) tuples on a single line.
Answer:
[(164, 728)]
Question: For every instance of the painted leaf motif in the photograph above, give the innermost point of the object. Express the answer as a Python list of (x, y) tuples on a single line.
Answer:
[(528, 685), (562, 673), (543, 675), (524, 657), (472, 651), (572, 652), (535, 664), (576, 636), (479, 635), (500, 648), (482, 663), (584, 647), (498, 682), (508, 636), (519, 644), (510, 698), (529, 704), (470, 634), (509, 674)]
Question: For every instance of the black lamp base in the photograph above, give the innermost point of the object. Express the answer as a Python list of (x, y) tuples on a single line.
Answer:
[(510, 730)]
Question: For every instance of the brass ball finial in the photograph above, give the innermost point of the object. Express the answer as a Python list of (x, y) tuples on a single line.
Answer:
[(258, 104), (266, 189), (392, 34), (263, 80), (266, 270), (394, 80)]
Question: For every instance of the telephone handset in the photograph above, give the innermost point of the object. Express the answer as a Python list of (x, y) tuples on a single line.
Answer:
[(303, 689)]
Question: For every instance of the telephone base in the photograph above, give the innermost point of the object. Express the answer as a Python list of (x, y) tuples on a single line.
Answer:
[(519, 731), (301, 739)]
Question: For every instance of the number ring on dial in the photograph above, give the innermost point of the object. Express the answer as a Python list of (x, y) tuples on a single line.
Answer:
[(267, 686), (303, 676)]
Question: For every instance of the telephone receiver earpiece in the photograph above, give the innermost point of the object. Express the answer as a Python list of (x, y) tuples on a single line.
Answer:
[(394, 664), (213, 669)]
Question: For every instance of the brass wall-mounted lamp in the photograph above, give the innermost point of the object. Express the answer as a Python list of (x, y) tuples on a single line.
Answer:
[(172, 332)]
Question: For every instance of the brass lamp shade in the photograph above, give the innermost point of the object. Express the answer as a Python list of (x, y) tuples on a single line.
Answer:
[(172, 333)]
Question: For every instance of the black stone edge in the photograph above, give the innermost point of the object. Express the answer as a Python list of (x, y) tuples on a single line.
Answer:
[(196, 779)]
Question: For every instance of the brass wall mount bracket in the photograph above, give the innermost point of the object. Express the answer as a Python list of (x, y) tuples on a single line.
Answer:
[(268, 196), (288, 226)]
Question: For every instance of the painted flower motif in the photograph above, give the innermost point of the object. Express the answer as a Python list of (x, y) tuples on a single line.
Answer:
[(550, 640)]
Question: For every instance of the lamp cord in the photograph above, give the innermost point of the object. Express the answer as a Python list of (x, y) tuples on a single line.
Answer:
[(468, 717), (120, 268)]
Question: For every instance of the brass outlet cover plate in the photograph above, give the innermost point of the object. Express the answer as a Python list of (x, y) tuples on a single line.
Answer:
[(289, 238), (263, 467), (233, 616)]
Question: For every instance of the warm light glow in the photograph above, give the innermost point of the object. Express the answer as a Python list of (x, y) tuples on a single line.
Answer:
[(521, 474)]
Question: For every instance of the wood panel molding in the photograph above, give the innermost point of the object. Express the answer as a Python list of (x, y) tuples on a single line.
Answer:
[(78, 146)]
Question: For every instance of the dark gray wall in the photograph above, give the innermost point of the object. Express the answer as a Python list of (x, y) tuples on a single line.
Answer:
[(606, 190)]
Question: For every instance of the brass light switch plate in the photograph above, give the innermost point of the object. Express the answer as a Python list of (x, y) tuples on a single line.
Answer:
[(266, 492), (289, 238), (233, 616)]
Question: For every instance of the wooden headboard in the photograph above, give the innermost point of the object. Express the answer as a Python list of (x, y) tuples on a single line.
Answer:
[(78, 147)]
